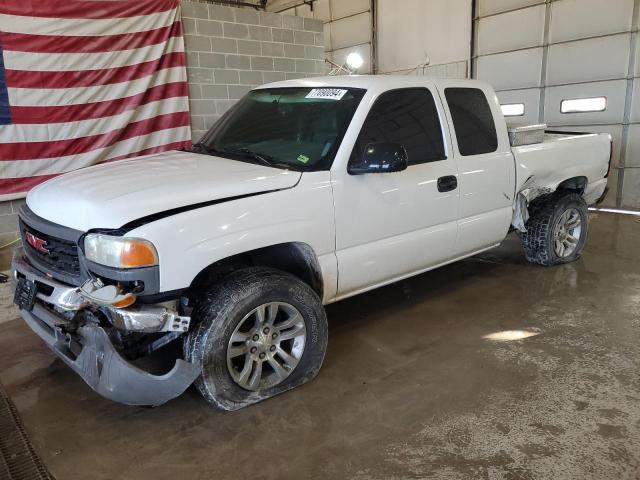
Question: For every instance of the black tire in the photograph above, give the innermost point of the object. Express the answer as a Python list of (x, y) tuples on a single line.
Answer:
[(544, 213), (222, 309)]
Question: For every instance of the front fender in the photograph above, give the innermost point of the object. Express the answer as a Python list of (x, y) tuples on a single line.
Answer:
[(190, 241)]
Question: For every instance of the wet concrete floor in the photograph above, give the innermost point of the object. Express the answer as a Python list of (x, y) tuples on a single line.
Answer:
[(410, 388)]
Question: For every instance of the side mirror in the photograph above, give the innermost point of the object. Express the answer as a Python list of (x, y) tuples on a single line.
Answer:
[(381, 157)]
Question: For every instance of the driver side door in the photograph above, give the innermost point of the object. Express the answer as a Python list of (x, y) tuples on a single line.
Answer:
[(392, 225)]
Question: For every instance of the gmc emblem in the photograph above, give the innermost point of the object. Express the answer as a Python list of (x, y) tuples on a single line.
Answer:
[(36, 242)]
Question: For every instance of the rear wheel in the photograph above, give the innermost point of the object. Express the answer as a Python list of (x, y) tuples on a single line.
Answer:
[(259, 332), (556, 230)]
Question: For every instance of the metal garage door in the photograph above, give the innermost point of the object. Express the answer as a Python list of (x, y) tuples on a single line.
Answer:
[(539, 55)]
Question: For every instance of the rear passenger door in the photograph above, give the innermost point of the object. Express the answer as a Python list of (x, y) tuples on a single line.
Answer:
[(485, 165), (390, 225)]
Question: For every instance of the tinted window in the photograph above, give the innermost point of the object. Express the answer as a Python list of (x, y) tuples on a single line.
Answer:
[(299, 128), (472, 120), (408, 117)]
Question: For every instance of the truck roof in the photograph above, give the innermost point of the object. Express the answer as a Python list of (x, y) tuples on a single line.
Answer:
[(373, 81)]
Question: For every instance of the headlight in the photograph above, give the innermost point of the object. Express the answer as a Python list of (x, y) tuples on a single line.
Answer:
[(119, 252)]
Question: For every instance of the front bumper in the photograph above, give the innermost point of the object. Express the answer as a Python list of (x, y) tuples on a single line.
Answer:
[(146, 319), (89, 351)]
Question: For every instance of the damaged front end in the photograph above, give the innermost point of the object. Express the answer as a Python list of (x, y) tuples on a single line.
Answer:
[(104, 335)]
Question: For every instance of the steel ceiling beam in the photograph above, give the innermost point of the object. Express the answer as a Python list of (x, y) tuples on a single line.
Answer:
[(260, 5)]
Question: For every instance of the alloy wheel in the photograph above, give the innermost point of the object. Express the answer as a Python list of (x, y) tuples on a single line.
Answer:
[(266, 346), (567, 233)]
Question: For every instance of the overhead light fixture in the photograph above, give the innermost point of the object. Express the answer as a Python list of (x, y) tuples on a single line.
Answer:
[(354, 61), (350, 66)]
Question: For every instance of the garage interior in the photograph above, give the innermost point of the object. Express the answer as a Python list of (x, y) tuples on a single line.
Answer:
[(486, 368)]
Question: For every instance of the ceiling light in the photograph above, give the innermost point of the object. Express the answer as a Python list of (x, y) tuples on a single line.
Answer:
[(354, 60)]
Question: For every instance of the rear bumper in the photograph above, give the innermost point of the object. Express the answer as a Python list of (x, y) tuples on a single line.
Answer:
[(89, 352)]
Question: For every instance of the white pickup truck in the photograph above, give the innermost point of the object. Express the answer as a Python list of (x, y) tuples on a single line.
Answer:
[(306, 192)]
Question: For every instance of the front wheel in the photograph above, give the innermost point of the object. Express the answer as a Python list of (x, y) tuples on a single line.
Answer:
[(259, 332), (556, 230)]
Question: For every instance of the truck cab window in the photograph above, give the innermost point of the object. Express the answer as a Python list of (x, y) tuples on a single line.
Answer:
[(472, 121), (299, 128), (408, 117)]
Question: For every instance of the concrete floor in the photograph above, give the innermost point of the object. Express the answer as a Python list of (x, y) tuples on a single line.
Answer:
[(409, 389)]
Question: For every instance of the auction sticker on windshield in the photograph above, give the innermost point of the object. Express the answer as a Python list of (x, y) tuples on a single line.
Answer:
[(328, 93)]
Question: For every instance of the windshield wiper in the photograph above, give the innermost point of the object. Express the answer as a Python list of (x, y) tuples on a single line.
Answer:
[(203, 147), (263, 158)]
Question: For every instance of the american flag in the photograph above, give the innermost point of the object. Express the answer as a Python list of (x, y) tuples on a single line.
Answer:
[(84, 82)]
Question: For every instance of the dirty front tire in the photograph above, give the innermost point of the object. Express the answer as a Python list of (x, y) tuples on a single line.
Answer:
[(547, 240), (220, 318)]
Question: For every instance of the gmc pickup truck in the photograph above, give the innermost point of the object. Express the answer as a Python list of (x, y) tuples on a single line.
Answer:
[(306, 192)]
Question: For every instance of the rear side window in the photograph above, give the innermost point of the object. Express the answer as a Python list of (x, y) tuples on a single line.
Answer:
[(472, 120), (408, 117)]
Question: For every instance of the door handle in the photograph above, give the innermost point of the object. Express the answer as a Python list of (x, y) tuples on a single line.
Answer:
[(447, 183)]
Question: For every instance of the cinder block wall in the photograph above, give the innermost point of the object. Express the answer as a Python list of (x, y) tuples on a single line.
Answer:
[(231, 50)]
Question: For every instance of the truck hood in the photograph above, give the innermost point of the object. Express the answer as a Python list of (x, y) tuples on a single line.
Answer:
[(113, 194)]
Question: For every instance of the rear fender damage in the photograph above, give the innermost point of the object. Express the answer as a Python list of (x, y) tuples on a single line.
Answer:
[(530, 192), (521, 205)]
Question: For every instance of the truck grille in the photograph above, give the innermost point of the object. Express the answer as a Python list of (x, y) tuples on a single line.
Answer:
[(62, 257)]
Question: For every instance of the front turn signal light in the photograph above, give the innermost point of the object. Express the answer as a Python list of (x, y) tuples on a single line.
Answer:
[(125, 301), (138, 253)]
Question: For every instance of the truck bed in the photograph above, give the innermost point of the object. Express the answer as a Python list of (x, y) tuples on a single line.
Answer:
[(541, 167)]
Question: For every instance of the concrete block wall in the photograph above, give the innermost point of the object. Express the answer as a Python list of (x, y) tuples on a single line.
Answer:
[(347, 26), (230, 50)]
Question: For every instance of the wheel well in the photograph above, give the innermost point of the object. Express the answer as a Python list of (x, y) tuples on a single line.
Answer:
[(576, 184), (296, 258)]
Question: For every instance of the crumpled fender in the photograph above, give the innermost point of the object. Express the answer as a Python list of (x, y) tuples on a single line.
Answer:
[(524, 197)]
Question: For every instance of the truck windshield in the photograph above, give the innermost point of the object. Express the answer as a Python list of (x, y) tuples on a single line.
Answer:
[(296, 128)]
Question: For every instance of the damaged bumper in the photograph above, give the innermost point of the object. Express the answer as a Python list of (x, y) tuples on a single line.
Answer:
[(92, 356), (146, 318), (89, 351)]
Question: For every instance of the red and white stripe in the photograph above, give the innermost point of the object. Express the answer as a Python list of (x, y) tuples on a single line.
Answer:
[(88, 82)]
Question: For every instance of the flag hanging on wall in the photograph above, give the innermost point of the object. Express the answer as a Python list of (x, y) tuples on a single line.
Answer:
[(84, 82)]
